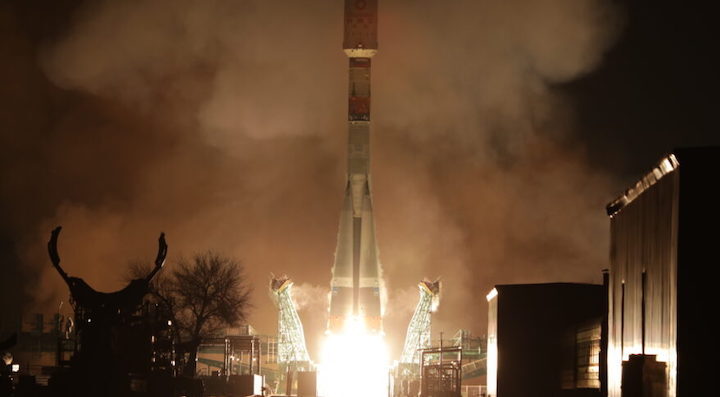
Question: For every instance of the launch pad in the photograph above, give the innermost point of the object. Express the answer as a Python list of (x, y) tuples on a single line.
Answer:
[(355, 359)]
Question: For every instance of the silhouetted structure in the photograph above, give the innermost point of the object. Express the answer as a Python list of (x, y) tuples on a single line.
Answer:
[(9, 342), (545, 340), (662, 294), (114, 338), (6, 385)]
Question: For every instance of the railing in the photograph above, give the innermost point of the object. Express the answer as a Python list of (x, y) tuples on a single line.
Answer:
[(473, 391)]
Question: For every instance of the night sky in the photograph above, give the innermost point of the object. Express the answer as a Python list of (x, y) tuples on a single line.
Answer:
[(500, 131)]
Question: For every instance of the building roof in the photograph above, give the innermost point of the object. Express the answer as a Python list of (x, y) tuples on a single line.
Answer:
[(499, 288), (665, 166)]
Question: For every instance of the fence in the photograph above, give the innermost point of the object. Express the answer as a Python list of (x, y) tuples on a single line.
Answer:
[(473, 391)]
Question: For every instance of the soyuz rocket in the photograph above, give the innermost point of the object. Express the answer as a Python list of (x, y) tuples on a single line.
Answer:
[(355, 285)]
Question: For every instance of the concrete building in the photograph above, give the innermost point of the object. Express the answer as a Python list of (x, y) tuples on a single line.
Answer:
[(545, 340), (662, 289)]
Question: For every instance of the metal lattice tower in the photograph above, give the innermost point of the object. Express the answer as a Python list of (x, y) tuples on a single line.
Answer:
[(291, 338), (418, 332)]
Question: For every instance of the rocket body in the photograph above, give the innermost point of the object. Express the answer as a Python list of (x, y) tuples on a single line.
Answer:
[(355, 285), (360, 35)]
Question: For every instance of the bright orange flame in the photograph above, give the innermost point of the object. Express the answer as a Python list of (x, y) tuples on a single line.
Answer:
[(355, 363)]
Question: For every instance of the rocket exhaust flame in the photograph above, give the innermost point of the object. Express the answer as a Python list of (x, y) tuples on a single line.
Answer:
[(354, 363)]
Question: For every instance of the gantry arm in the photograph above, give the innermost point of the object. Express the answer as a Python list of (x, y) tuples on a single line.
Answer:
[(54, 256), (160, 259)]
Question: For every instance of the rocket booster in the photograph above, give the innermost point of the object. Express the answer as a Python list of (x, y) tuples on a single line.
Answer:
[(355, 285)]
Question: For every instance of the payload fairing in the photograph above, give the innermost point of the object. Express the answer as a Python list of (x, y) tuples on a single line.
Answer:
[(355, 285)]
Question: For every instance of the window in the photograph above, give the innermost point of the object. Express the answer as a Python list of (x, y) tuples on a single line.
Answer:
[(587, 357)]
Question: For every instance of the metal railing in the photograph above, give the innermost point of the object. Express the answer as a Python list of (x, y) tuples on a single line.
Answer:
[(473, 391)]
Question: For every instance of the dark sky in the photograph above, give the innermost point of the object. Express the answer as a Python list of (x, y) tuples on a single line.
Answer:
[(500, 130), (656, 89)]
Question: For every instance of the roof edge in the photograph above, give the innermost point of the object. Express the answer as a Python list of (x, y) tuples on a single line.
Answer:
[(665, 166)]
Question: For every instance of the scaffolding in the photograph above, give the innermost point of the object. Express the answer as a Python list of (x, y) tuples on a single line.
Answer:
[(473, 353), (291, 338), (441, 376), (418, 332), (241, 354)]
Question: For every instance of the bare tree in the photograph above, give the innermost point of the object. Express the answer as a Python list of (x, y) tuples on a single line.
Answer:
[(201, 295), (210, 293)]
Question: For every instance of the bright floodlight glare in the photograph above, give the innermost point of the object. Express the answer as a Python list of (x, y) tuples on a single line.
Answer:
[(355, 363)]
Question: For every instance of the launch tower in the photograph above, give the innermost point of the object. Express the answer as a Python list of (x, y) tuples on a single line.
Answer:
[(291, 338), (355, 285), (418, 332)]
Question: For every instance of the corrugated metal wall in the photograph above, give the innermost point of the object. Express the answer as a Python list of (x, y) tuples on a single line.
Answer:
[(644, 238)]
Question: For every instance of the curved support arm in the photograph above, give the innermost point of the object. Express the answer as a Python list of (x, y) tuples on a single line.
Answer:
[(53, 252), (160, 259)]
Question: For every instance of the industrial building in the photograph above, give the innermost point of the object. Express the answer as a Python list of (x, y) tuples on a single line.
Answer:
[(545, 340), (38, 349), (662, 292)]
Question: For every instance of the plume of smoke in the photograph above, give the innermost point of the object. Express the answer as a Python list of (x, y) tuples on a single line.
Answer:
[(312, 304), (311, 298), (222, 123)]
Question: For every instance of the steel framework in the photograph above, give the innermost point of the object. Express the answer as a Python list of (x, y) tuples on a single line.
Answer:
[(291, 338), (418, 332)]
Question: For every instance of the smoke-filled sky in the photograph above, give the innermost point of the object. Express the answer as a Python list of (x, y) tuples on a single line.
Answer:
[(500, 130)]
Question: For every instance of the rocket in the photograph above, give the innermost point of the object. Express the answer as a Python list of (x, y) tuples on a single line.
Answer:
[(355, 285)]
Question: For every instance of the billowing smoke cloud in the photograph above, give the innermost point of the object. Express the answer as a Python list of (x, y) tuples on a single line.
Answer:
[(222, 123)]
